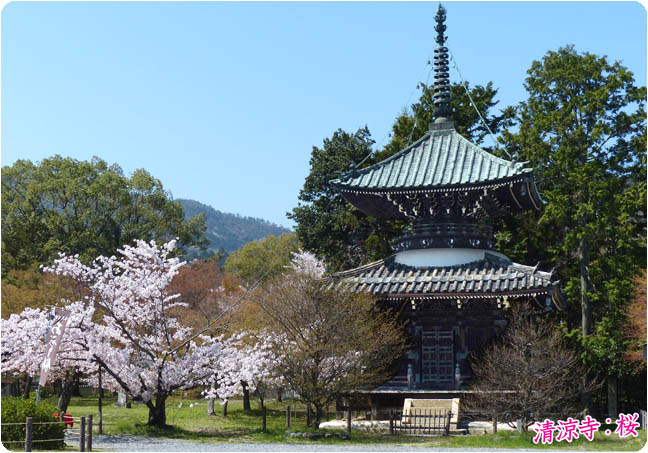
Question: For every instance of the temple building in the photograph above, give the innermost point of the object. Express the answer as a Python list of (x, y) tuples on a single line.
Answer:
[(449, 284)]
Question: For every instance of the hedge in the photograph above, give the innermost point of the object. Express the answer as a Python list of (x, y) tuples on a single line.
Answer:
[(16, 410)]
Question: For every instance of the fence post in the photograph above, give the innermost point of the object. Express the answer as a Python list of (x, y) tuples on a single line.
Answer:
[(263, 415), (89, 441), (348, 420), (29, 429), (518, 423), (82, 435), (288, 416), (494, 423), (391, 421)]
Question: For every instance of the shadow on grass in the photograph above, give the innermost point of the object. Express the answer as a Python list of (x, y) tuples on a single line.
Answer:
[(176, 432)]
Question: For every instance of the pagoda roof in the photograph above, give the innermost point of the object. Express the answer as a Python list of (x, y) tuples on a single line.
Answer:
[(490, 277), (441, 158)]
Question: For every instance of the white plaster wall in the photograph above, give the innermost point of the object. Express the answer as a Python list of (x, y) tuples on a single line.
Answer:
[(442, 257)]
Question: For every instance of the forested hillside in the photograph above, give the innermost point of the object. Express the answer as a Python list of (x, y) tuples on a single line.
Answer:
[(227, 232)]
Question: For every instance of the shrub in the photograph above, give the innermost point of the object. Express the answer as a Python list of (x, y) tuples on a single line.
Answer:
[(16, 410)]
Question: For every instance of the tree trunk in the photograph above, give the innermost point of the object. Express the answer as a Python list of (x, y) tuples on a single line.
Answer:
[(246, 396), (279, 395), (225, 409), (76, 388), (612, 397), (100, 402), (58, 387), (309, 419), (586, 287), (66, 393), (586, 307), (319, 414), (28, 384), (101, 391), (210, 404), (157, 412)]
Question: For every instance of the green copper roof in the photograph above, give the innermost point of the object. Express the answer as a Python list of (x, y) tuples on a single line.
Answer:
[(440, 158)]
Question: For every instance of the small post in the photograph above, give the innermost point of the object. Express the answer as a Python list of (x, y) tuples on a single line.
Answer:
[(288, 416), (263, 416), (518, 422), (29, 429), (82, 435), (494, 423), (89, 440), (348, 420), (391, 421)]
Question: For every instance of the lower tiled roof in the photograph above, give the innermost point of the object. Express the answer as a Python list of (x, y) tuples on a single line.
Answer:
[(492, 276)]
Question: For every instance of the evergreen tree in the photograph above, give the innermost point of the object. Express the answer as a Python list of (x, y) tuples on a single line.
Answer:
[(86, 208), (583, 128)]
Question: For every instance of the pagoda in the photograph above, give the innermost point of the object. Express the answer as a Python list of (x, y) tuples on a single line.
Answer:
[(449, 284)]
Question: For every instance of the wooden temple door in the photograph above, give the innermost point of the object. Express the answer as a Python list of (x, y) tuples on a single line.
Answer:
[(438, 357)]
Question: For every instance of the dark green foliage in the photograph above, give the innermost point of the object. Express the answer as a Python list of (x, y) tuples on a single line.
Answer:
[(583, 128), (86, 208), (337, 232), (326, 224), (16, 410), (466, 118)]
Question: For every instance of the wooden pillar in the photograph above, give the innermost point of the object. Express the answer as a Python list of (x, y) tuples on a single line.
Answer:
[(288, 416), (82, 435), (263, 415), (29, 430), (89, 440)]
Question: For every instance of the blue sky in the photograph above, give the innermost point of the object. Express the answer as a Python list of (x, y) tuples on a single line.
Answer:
[(224, 101)]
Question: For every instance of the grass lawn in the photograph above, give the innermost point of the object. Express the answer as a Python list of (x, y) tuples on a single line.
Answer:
[(192, 423)]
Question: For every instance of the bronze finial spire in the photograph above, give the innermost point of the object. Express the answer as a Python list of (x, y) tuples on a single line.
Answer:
[(441, 71)]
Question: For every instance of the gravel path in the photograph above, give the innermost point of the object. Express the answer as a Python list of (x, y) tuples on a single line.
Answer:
[(141, 443)]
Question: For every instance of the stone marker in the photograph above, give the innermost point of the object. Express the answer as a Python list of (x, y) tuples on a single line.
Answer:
[(121, 400)]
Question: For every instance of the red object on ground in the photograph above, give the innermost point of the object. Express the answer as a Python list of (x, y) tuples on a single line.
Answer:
[(67, 419)]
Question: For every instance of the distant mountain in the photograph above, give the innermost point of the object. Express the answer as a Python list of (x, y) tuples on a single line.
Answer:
[(228, 232)]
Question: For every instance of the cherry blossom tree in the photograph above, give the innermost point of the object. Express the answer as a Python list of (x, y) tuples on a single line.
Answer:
[(24, 346), (246, 360), (144, 350)]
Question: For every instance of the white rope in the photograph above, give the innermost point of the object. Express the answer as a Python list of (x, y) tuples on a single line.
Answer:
[(463, 83), (409, 140), (382, 141), (407, 104)]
